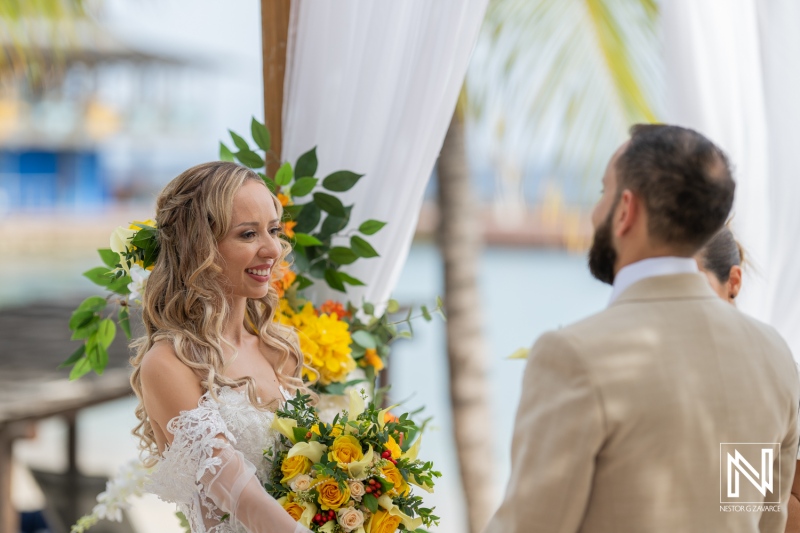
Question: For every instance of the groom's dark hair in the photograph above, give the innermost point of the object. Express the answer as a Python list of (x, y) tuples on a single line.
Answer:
[(684, 180)]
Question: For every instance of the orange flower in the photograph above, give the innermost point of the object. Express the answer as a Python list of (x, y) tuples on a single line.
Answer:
[(389, 417), (285, 280), (284, 200), (331, 307), (288, 228), (372, 359)]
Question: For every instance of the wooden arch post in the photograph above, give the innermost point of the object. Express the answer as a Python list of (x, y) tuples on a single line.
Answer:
[(274, 39)]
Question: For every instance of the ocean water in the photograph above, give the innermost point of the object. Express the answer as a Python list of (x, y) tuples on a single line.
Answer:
[(524, 292)]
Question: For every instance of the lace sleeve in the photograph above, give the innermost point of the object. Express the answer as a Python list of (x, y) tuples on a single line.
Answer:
[(201, 461)]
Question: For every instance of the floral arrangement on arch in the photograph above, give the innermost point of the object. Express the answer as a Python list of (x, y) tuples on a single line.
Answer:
[(336, 336)]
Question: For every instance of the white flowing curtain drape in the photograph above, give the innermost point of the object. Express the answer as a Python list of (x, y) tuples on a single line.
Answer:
[(373, 84), (732, 74)]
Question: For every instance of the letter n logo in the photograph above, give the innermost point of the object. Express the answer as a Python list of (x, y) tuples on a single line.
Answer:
[(746, 472)]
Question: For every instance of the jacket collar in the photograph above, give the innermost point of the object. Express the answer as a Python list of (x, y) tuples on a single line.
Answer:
[(669, 287)]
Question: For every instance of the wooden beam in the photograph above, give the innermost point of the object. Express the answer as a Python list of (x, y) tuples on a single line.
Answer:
[(274, 38)]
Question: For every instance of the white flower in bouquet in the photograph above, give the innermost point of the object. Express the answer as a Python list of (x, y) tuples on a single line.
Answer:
[(301, 483), (356, 490), (350, 518), (137, 286)]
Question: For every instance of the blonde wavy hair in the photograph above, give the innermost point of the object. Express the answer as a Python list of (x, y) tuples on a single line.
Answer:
[(186, 303)]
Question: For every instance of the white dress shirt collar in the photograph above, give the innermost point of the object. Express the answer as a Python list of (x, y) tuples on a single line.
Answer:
[(648, 268)]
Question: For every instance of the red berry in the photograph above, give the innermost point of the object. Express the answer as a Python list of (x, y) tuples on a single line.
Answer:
[(318, 517), (386, 454), (368, 489), (373, 482), (308, 435)]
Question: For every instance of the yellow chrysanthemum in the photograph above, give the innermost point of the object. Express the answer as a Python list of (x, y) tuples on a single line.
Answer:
[(324, 340)]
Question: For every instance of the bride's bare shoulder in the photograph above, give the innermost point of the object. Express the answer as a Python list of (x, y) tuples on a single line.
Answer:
[(161, 370)]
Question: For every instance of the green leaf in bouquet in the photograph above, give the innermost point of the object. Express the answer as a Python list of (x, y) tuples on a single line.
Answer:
[(269, 182), (92, 304), (303, 186), (439, 311), (86, 330), (284, 175), (369, 370), (342, 255), (99, 276), (362, 248), (97, 355), (341, 181), (371, 227), (300, 434), (303, 282), (308, 218), (404, 335), (330, 204), (350, 280), (250, 159), (81, 368), (370, 502), (386, 485), (109, 258), (120, 285), (304, 239), (240, 143), (260, 134), (393, 306), (364, 339), (300, 260), (307, 164), (106, 331), (225, 153), (72, 359), (426, 314), (369, 308), (124, 321), (333, 281), (80, 319)]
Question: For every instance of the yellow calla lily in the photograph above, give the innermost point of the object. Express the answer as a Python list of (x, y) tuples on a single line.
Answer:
[(308, 514), (357, 405), (357, 469), (313, 450), (413, 451), (411, 523), (382, 415), (285, 426)]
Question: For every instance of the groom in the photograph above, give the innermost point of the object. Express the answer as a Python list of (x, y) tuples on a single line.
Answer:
[(628, 417)]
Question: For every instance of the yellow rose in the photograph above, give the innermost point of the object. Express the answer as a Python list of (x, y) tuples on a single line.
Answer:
[(345, 449), (335, 431), (294, 509), (294, 466), (393, 475), (330, 495), (383, 522), (393, 447)]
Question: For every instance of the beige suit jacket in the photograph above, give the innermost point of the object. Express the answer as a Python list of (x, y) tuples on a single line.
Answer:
[(622, 416)]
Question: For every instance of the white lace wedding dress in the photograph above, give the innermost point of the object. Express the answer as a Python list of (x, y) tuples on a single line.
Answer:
[(214, 470)]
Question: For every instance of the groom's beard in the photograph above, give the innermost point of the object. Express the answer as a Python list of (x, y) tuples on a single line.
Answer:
[(602, 255)]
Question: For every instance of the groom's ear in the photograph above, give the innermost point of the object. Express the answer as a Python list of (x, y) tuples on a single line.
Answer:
[(628, 211)]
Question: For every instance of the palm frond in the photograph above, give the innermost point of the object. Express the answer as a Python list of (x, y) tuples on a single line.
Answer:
[(24, 24), (565, 78)]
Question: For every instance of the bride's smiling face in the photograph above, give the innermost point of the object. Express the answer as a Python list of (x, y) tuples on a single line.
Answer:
[(251, 247)]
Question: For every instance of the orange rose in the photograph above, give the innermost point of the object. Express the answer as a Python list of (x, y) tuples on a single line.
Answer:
[(330, 495), (294, 510)]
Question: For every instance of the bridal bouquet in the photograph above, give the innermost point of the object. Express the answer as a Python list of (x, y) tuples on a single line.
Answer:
[(353, 475), (336, 337)]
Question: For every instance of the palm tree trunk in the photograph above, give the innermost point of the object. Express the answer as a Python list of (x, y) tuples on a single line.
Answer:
[(459, 237)]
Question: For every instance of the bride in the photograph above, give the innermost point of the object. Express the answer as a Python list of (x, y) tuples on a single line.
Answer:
[(212, 365)]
